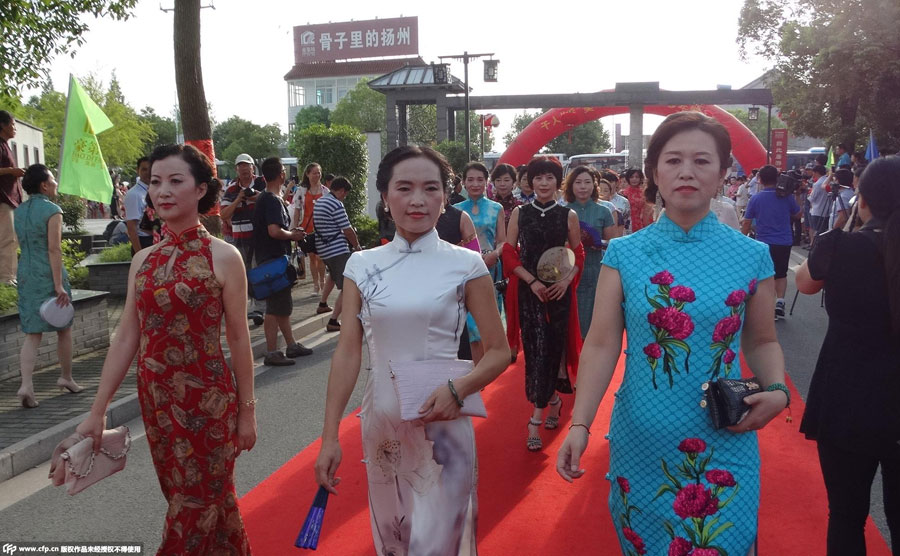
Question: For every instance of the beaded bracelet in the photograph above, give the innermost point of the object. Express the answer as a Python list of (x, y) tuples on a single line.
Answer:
[(533, 280), (459, 402), (249, 403), (780, 386)]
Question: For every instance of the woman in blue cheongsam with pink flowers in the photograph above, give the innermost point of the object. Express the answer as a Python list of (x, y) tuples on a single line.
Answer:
[(691, 294)]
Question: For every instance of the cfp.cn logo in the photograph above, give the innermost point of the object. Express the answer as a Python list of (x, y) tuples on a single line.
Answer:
[(9, 548)]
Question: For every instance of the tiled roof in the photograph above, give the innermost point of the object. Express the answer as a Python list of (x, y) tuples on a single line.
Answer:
[(345, 69)]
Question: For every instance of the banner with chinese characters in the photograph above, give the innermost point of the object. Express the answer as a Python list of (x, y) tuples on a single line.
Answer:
[(779, 149), (397, 36), (82, 170)]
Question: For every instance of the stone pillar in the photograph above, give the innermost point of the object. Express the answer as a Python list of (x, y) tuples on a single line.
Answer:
[(636, 137), (443, 127), (402, 124), (391, 125)]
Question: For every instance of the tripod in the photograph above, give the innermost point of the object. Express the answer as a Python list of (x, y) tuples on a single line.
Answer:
[(821, 228)]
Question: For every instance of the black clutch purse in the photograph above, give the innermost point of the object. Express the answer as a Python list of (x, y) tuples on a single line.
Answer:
[(725, 400)]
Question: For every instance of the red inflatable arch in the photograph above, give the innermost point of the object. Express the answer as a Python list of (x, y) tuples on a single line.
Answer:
[(745, 146)]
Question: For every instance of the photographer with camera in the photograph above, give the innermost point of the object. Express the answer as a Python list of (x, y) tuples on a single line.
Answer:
[(841, 195), (773, 209)]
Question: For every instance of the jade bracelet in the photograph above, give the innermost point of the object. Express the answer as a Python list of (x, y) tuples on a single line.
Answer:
[(780, 386)]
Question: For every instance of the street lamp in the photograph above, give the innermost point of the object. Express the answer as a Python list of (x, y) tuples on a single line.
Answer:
[(490, 70), (753, 113), (465, 57), (487, 121)]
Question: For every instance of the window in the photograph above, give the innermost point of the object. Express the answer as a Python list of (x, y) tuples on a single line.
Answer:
[(37, 156), (25, 152), (324, 95)]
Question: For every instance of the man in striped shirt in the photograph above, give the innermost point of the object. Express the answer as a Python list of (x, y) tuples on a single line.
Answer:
[(334, 235)]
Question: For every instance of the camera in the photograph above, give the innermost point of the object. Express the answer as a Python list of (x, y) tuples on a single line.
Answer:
[(500, 285), (788, 182)]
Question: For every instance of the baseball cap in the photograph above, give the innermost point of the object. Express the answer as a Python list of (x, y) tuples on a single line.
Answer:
[(243, 157)]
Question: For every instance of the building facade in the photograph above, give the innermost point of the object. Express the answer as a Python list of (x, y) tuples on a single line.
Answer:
[(28, 145)]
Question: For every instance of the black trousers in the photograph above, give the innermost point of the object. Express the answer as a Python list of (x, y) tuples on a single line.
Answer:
[(848, 480)]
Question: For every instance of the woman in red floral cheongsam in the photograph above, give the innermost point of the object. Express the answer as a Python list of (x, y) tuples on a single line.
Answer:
[(641, 210), (198, 415)]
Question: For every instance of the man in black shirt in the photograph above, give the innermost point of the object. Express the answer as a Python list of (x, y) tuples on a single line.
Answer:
[(272, 239)]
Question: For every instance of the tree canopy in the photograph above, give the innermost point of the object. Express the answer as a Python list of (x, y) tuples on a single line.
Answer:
[(590, 137), (340, 150), (312, 115), (362, 108), (835, 65), (760, 126), (237, 135), (164, 127), (32, 33)]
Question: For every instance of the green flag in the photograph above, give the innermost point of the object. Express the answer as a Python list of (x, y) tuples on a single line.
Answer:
[(830, 161), (82, 170)]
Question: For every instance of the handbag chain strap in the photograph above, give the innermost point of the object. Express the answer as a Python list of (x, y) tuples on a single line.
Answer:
[(105, 452)]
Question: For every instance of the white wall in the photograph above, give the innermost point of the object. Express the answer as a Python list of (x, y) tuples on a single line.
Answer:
[(28, 145)]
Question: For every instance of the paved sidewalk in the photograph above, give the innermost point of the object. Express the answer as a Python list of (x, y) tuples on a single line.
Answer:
[(28, 436)]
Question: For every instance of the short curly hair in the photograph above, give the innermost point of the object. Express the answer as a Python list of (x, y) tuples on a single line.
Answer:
[(201, 170)]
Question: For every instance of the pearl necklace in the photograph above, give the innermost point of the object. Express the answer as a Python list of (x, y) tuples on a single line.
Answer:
[(543, 210)]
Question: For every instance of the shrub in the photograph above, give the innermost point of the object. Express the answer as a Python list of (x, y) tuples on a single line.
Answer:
[(73, 211), (72, 255), (116, 254), (366, 230), (8, 298), (340, 150), (455, 153)]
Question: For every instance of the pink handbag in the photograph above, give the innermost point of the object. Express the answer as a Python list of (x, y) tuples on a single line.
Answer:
[(77, 465)]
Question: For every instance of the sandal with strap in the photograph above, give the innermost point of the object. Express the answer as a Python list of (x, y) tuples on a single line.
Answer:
[(553, 422), (534, 442)]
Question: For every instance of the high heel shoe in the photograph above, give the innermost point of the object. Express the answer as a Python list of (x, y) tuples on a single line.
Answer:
[(553, 422), (534, 443), (27, 399), (69, 385)]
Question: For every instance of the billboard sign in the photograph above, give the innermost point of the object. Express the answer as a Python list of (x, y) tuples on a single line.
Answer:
[(398, 36)]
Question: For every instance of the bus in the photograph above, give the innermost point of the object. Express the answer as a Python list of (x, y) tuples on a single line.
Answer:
[(618, 162), (796, 160), (491, 159)]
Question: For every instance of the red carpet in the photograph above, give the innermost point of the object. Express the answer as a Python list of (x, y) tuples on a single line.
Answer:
[(524, 507)]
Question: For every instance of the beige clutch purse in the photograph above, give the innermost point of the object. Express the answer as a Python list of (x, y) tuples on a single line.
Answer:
[(78, 466), (415, 381)]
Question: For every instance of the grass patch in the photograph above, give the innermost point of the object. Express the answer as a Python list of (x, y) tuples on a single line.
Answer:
[(8, 298), (120, 253)]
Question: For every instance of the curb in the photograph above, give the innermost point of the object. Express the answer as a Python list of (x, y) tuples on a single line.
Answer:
[(38, 448)]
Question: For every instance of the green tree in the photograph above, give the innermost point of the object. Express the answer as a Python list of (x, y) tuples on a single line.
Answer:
[(312, 115), (422, 124), (474, 134), (237, 135), (760, 126), (455, 153), (833, 74), (33, 33), (163, 126), (130, 137), (589, 137), (362, 108), (48, 112), (340, 150)]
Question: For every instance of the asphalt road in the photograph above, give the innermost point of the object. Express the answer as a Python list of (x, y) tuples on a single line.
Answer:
[(128, 507)]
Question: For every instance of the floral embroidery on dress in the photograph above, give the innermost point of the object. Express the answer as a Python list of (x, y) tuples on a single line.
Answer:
[(670, 325), (637, 543), (727, 329), (403, 454), (696, 502)]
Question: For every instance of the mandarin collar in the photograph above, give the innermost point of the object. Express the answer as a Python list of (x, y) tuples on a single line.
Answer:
[(664, 225), (424, 242), (197, 232)]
